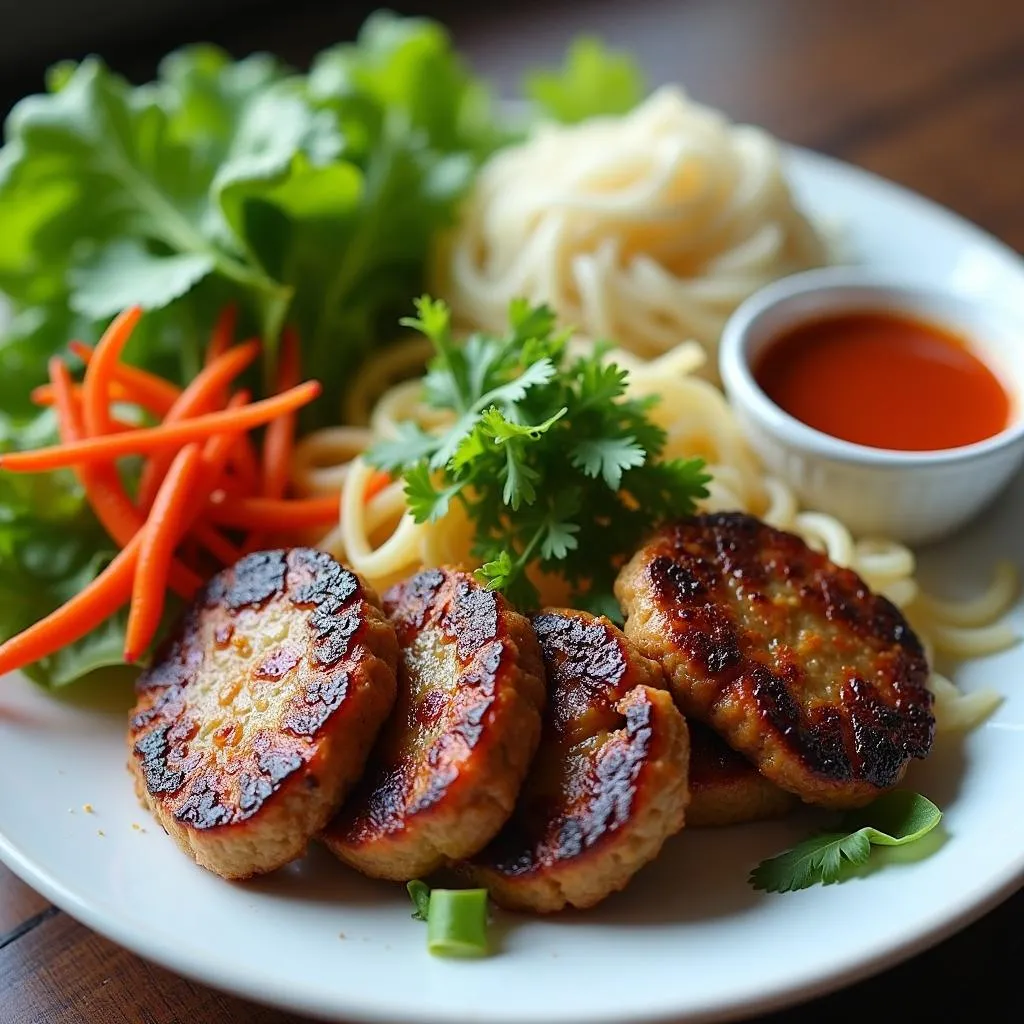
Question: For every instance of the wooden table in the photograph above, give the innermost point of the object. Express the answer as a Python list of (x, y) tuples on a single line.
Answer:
[(929, 93)]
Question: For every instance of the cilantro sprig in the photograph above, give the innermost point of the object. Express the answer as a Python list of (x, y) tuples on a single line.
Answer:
[(894, 819), (556, 466)]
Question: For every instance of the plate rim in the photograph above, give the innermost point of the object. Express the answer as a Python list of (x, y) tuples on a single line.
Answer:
[(971, 903)]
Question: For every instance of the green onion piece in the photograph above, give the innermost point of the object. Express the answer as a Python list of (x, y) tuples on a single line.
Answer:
[(457, 922), (419, 893)]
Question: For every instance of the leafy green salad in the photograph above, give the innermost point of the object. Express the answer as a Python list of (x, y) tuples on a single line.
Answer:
[(307, 199)]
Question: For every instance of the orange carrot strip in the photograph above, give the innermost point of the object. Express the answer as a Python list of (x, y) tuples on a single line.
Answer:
[(43, 394), (112, 588), (160, 438), (204, 394), (376, 484), (216, 543), (216, 454), (159, 537), (280, 435), (245, 465), (102, 485), (223, 333), (157, 396), (100, 599), (153, 393), (100, 372), (273, 513)]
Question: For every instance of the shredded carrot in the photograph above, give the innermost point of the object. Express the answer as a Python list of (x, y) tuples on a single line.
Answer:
[(157, 396), (223, 333), (271, 514), (43, 394), (153, 393), (112, 588), (102, 485), (216, 543), (376, 484), (99, 374), (204, 394), (245, 465), (217, 452), (159, 438), (159, 537), (280, 435), (202, 475)]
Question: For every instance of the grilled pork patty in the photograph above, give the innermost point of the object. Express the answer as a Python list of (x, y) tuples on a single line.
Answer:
[(450, 762), (609, 783), (258, 714), (790, 658), (725, 788)]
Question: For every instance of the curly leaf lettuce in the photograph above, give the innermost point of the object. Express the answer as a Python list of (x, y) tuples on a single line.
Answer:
[(309, 198)]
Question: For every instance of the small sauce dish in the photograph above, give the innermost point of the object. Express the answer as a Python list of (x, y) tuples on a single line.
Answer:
[(914, 496)]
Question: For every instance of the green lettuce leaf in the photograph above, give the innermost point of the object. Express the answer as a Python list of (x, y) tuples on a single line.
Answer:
[(593, 80)]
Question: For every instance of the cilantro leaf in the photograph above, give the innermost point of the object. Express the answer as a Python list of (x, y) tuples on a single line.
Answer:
[(409, 445), (419, 893), (894, 819), (425, 501), (593, 80), (496, 572), (556, 466), (608, 457), (559, 539)]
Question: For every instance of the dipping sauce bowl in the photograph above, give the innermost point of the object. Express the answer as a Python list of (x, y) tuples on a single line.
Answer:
[(910, 496)]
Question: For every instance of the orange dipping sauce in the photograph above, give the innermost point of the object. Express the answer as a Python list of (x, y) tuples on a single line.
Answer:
[(884, 380)]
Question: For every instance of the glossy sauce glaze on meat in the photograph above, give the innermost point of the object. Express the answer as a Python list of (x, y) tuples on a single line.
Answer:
[(790, 658), (609, 783), (446, 772), (258, 714), (725, 788)]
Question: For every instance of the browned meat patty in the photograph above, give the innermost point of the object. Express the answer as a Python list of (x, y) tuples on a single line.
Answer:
[(791, 659), (260, 711), (725, 788), (609, 783), (452, 758)]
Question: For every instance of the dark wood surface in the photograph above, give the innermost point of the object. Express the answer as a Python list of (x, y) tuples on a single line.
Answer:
[(927, 92)]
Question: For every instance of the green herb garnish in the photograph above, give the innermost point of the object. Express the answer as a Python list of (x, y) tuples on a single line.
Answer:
[(419, 893), (895, 819), (308, 198), (556, 467), (593, 80), (456, 919)]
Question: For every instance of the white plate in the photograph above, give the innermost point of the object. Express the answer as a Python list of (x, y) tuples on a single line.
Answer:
[(317, 939)]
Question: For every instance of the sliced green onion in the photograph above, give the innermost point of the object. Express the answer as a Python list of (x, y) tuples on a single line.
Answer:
[(457, 922), (419, 893)]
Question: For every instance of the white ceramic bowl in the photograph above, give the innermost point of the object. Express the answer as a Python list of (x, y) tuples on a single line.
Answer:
[(914, 497)]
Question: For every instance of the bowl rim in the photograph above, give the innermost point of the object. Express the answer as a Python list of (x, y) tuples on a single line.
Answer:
[(742, 389)]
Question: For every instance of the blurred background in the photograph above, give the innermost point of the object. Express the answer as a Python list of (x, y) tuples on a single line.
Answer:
[(896, 86)]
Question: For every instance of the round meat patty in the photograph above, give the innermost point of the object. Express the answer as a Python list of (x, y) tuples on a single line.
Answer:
[(609, 783), (445, 774), (258, 714), (788, 657), (725, 788)]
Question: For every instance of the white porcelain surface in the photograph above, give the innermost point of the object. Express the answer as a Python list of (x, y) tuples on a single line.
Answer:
[(318, 939), (914, 497)]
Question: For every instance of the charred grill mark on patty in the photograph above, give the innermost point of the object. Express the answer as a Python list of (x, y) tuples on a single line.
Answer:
[(445, 772), (274, 683), (609, 780), (790, 657)]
